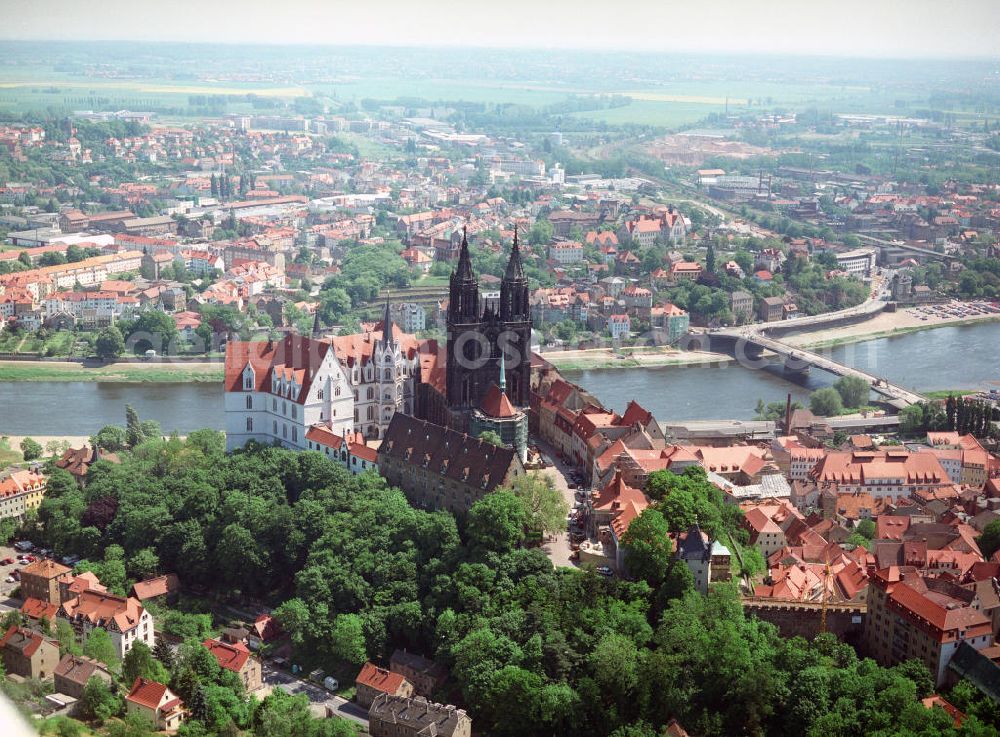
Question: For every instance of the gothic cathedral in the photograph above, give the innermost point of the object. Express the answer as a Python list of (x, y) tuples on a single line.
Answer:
[(478, 334)]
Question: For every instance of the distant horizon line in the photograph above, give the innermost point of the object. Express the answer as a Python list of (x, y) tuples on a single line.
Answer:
[(736, 53)]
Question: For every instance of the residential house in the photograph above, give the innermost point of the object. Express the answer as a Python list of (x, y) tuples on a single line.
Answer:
[(673, 321), (741, 305), (162, 589), (883, 474), (620, 326), (158, 704), (28, 654), (73, 672), (425, 675), (124, 618), (236, 657), (690, 270), (396, 716), (927, 619), (77, 461), (566, 253), (21, 491), (373, 681), (772, 309), (40, 580), (39, 614)]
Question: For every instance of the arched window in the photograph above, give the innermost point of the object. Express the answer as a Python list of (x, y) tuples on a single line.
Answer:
[(387, 374), (319, 394), (275, 428), (336, 392), (371, 392), (249, 402), (371, 413), (295, 434), (249, 424), (356, 418)]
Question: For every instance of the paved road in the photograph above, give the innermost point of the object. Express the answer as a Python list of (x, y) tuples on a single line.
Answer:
[(319, 697), (558, 549)]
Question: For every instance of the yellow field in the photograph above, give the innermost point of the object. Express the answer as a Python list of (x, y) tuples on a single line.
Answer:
[(165, 88), (695, 99)]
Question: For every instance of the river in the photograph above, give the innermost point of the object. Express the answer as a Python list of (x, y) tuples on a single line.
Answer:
[(955, 357), (84, 407), (944, 358)]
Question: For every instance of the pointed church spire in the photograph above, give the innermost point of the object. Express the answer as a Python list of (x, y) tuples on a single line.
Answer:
[(515, 271), (464, 270), (503, 372), (317, 330), (387, 336)]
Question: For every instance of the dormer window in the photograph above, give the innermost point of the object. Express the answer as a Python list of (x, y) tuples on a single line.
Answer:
[(248, 379)]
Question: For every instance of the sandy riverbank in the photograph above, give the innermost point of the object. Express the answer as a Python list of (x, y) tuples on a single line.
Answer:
[(883, 325), (75, 441), (605, 358)]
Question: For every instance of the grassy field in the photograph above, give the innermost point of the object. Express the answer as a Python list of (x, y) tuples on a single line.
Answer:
[(120, 372), (428, 280), (8, 454), (945, 393), (651, 112)]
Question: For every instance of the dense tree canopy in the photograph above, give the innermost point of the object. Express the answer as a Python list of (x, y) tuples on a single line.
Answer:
[(356, 572)]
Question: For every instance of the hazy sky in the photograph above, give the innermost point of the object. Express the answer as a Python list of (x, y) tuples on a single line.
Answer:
[(894, 28)]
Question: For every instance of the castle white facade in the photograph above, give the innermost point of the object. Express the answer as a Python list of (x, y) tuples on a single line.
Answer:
[(276, 391), (382, 369)]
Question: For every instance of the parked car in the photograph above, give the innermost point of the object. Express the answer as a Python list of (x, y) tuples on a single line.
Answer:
[(24, 545), (30, 558), (605, 571), (6, 561), (10, 579)]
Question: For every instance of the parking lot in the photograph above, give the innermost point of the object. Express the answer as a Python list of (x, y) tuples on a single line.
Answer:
[(319, 698), (8, 586)]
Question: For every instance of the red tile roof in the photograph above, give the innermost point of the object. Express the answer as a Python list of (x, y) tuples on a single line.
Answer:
[(296, 356), (33, 608), (23, 640), (379, 678), (147, 693), (159, 586), (231, 657)]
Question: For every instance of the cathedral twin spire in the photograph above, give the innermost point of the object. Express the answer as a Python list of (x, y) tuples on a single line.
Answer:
[(513, 288)]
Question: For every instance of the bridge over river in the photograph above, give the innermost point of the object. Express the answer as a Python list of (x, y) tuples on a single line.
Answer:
[(748, 345)]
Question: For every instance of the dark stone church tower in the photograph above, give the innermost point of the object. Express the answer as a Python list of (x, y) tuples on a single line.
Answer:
[(476, 337)]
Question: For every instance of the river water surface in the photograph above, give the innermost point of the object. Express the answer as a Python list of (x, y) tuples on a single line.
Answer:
[(944, 358)]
